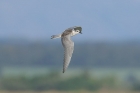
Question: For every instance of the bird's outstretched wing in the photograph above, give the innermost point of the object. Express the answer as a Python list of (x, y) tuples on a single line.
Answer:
[(68, 45)]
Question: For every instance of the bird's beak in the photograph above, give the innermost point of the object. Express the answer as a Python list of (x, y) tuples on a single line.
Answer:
[(80, 32)]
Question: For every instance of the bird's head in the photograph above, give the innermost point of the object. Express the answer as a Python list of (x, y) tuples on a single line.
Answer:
[(78, 29)]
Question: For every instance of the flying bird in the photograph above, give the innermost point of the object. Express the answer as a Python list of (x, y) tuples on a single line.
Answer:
[(67, 43)]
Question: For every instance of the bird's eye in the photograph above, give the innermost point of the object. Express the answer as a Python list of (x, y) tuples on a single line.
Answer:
[(77, 30)]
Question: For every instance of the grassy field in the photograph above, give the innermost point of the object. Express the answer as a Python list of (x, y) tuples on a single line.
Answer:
[(95, 80)]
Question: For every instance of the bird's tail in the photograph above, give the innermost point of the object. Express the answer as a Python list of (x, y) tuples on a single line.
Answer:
[(55, 36)]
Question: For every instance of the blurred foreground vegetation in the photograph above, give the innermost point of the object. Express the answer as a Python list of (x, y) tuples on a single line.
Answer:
[(56, 81), (86, 55)]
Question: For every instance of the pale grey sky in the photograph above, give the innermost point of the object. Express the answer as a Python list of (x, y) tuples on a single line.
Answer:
[(100, 19)]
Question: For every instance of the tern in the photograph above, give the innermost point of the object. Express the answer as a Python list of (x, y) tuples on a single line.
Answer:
[(67, 43)]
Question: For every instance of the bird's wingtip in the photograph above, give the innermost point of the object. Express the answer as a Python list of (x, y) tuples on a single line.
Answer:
[(63, 71)]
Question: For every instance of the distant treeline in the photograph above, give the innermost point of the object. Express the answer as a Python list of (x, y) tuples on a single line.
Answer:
[(85, 54)]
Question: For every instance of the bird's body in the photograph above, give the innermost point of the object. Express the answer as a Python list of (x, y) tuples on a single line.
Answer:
[(67, 43)]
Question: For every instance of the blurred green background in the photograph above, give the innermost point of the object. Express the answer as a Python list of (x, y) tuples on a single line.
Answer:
[(106, 56), (37, 66)]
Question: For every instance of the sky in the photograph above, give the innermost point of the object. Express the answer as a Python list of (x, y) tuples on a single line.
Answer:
[(101, 20)]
